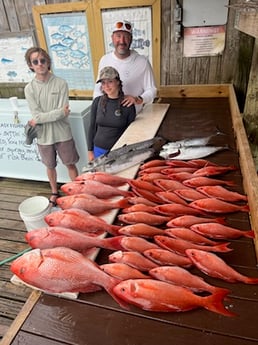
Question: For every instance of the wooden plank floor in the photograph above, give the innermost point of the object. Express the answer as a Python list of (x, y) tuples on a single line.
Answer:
[(12, 231), (96, 318)]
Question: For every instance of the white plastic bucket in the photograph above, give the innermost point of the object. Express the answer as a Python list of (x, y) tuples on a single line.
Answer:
[(33, 210)]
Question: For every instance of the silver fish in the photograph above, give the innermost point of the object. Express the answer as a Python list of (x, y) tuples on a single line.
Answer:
[(199, 141), (125, 157), (191, 152)]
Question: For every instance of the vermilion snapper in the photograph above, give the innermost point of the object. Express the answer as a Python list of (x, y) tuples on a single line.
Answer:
[(222, 193), (189, 194), (182, 277), (220, 231), (213, 266), (140, 229), (154, 295), (122, 271), (179, 246), (62, 270), (166, 257), (214, 170), (188, 220), (215, 205), (96, 188), (177, 209), (188, 235), (143, 217), (90, 203), (169, 196), (133, 259), (206, 181)]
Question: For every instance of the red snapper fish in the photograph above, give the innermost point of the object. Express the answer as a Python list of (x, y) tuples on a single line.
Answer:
[(139, 208), (138, 183), (51, 237), (90, 203), (155, 295), (122, 271), (169, 185), (80, 220), (188, 235), (206, 181), (220, 231), (189, 194), (143, 217), (182, 277), (140, 229), (164, 257), (152, 163), (179, 246), (177, 209), (133, 259), (221, 193), (60, 270), (188, 220), (100, 176), (213, 266), (96, 188), (169, 196), (215, 205), (214, 170)]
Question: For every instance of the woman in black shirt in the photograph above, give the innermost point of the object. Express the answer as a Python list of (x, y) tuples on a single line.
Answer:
[(109, 117)]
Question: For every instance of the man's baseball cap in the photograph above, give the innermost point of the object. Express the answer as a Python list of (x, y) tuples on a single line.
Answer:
[(108, 72), (123, 25)]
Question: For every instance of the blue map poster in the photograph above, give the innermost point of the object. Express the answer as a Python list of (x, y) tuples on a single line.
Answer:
[(67, 39)]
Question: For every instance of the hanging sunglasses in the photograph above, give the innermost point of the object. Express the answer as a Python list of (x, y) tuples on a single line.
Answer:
[(36, 62), (124, 26)]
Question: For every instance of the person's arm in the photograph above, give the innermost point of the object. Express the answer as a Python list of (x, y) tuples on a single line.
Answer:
[(150, 89), (92, 128), (39, 116)]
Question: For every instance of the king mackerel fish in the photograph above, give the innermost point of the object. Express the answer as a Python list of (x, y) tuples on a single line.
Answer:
[(125, 157), (191, 148)]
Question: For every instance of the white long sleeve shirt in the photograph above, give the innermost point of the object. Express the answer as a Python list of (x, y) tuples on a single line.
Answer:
[(136, 74)]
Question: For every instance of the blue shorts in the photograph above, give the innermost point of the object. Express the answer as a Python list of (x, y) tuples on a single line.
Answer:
[(98, 151)]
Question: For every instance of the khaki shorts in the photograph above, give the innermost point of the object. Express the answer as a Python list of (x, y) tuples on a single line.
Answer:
[(66, 151)]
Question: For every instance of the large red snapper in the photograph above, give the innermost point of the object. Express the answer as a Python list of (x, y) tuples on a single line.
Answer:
[(61, 270), (213, 266), (220, 231), (215, 205), (90, 203), (51, 237), (182, 277), (98, 189), (154, 295), (80, 220)]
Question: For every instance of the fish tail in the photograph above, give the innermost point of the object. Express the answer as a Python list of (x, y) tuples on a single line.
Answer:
[(113, 230), (245, 208), (249, 234), (214, 303), (124, 203), (220, 220), (223, 247), (249, 280), (229, 183)]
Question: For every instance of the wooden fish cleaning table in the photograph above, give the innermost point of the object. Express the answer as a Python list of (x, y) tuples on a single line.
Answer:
[(96, 318)]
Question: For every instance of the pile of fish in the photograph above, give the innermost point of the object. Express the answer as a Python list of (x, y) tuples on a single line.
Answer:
[(173, 218)]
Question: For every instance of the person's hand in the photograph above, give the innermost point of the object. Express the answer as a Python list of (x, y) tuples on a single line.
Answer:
[(90, 156), (32, 123), (66, 110), (130, 100)]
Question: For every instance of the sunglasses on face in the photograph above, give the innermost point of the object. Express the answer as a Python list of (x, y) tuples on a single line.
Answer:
[(120, 25), (36, 62)]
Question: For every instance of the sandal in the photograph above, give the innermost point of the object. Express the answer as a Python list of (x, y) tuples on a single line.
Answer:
[(53, 202)]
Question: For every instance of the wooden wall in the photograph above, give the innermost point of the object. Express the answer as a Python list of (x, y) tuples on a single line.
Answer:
[(232, 66)]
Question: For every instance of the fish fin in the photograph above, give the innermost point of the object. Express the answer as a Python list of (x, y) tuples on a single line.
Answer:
[(223, 247), (214, 303), (249, 233)]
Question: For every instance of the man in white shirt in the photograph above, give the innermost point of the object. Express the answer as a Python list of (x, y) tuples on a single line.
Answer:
[(134, 69)]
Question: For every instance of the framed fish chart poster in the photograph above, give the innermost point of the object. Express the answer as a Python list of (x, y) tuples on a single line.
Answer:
[(12, 50), (144, 16), (65, 31)]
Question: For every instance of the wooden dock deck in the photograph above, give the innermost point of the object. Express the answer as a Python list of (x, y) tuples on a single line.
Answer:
[(96, 318), (12, 231)]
